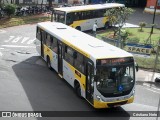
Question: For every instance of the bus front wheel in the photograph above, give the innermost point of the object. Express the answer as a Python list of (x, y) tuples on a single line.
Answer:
[(78, 28), (77, 89)]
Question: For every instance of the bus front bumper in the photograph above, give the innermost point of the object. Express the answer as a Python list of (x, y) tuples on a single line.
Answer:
[(100, 104)]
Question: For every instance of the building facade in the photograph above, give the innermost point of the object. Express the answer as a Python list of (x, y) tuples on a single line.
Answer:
[(128, 3), (43, 1), (151, 6)]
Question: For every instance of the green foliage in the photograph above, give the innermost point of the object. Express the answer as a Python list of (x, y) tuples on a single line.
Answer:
[(133, 40), (10, 9), (117, 17), (142, 24)]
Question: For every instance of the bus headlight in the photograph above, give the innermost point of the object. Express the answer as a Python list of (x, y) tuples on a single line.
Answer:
[(99, 98)]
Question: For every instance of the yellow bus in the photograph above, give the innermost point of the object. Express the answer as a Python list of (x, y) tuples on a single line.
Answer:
[(101, 73), (83, 17)]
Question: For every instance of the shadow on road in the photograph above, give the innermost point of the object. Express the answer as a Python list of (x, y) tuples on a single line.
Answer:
[(47, 92)]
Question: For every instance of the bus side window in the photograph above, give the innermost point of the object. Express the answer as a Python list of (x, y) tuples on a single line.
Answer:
[(48, 41), (79, 62), (54, 44), (69, 54), (69, 18), (76, 17), (96, 14)]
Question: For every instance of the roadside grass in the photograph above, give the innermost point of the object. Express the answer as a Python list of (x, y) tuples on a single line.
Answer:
[(15, 21), (147, 63), (136, 33), (143, 62), (144, 34)]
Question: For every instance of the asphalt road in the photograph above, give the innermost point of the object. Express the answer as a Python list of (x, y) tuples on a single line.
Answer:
[(28, 85)]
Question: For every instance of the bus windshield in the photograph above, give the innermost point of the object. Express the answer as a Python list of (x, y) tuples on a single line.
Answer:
[(59, 16), (115, 80)]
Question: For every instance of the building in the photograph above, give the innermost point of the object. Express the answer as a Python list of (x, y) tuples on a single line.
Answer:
[(151, 5), (43, 1), (129, 3)]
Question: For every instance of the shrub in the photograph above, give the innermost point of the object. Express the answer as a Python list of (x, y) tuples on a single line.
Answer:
[(142, 24), (133, 40), (10, 9)]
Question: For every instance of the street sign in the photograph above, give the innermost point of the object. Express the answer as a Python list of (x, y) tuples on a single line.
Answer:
[(139, 49)]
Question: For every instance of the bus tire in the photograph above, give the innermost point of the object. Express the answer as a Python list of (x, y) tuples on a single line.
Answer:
[(49, 63), (106, 26), (77, 89), (78, 28)]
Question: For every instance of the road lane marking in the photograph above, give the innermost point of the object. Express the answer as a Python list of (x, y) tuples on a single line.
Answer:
[(24, 39), (10, 38), (17, 46), (31, 41), (16, 39), (145, 84), (150, 89), (20, 39)]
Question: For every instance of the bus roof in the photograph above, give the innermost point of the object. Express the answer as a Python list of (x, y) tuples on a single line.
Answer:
[(89, 7), (82, 42)]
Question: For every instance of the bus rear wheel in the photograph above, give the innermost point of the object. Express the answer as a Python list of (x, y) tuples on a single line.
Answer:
[(106, 26)]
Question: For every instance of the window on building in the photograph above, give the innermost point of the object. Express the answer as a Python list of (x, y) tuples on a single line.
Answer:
[(158, 3)]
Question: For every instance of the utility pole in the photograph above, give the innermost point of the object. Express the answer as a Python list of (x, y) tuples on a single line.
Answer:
[(155, 8), (158, 108)]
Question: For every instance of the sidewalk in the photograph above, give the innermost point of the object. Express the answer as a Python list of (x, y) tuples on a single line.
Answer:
[(147, 78)]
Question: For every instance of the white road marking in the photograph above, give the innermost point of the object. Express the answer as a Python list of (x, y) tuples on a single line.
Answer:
[(31, 41), (24, 39), (1, 48), (17, 46), (150, 89), (10, 38), (145, 84), (16, 39)]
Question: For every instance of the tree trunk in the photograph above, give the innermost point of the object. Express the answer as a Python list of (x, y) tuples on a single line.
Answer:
[(50, 3), (7, 1), (41, 4), (0, 3)]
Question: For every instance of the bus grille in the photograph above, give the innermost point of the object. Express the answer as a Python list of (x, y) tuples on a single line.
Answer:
[(116, 104)]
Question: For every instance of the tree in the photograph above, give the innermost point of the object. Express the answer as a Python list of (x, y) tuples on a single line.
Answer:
[(117, 18), (0, 3), (50, 3), (10, 9), (142, 24)]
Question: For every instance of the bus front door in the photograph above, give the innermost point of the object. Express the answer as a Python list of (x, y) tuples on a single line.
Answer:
[(89, 82), (42, 42), (60, 60)]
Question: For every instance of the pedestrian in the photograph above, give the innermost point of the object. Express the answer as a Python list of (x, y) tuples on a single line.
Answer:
[(94, 29)]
